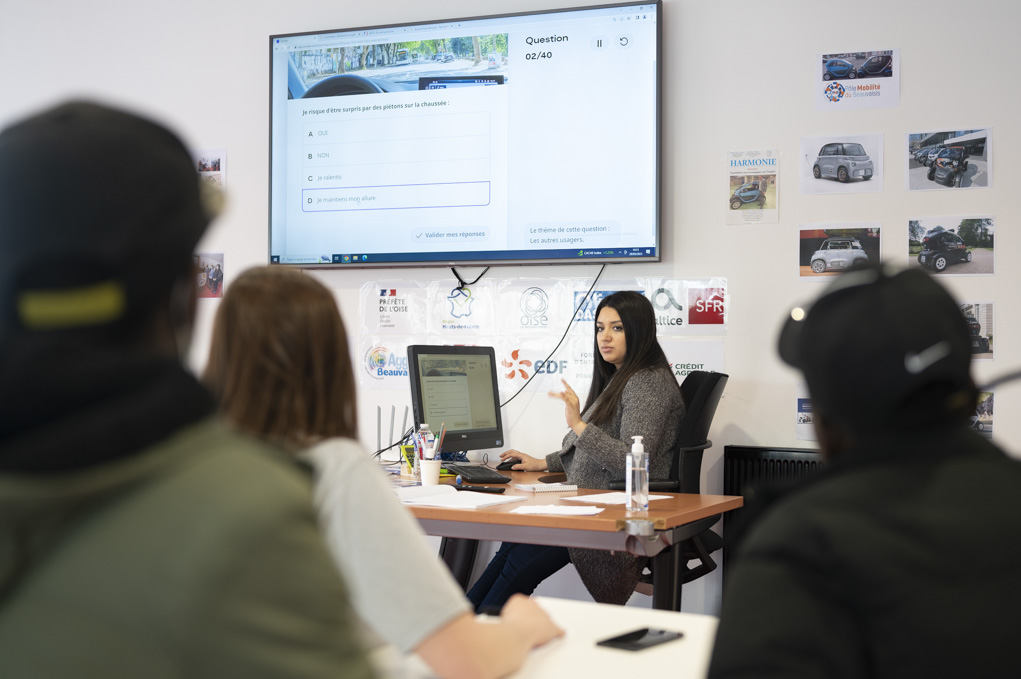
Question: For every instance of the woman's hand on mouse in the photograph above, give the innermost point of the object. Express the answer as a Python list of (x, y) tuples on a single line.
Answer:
[(526, 463), (572, 407)]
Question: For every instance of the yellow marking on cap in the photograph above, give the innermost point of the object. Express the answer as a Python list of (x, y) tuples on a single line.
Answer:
[(797, 313), (72, 307)]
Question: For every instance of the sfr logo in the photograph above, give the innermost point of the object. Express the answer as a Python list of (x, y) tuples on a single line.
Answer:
[(706, 306)]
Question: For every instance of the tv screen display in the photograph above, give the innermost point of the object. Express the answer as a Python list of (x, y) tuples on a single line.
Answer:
[(456, 387), (493, 140)]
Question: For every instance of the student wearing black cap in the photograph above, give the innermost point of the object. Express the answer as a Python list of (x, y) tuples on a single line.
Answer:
[(139, 537), (901, 558)]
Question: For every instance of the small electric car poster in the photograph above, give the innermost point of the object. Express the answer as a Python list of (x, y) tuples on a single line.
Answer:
[(856, 80), (953, 245), (752, 188), (804, 424), (842, 164), (980, 327), (956, 159), (824, 250)]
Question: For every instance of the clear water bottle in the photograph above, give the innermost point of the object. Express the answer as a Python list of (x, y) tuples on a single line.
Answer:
[(424, 440), (637, 479)]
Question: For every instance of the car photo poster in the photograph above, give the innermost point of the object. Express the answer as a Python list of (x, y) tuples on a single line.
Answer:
[(752, 187), (953, 246), (980, 328), (845, 81), (952, 159), (824, 250), (804, 425), (842, 163)]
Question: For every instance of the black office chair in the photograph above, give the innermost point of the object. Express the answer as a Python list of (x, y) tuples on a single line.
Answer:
[(701, 392)]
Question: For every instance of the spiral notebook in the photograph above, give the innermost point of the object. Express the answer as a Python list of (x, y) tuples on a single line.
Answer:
[(547, 487)]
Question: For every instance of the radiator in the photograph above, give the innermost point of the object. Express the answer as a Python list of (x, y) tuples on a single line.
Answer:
[(745, 466)]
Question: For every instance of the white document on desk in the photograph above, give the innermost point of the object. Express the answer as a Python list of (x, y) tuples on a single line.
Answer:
[(448, 496), (610, 498)]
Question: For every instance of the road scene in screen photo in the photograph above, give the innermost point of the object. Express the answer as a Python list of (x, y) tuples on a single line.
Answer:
[(952, 245), (959, 159), (842, 164), (470, 61), (827, 249)]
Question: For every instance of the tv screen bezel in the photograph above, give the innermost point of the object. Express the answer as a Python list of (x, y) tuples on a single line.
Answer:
[(461, 439), (426, 262)]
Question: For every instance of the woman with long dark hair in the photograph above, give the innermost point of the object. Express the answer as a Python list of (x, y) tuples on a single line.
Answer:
[(279, 366), (633, 393)]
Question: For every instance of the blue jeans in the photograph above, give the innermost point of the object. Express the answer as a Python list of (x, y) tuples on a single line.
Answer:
[(516, 569)]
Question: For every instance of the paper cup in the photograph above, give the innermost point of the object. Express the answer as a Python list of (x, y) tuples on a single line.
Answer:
[(430, 472)]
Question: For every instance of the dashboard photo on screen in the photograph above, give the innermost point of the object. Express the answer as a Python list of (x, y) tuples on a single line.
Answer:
[(501, 139)]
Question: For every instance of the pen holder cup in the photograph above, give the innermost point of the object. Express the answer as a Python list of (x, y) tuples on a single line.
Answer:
[(430, 472)]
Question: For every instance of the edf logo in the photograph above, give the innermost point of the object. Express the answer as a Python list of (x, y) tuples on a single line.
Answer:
[(550, 367), (706, 306)]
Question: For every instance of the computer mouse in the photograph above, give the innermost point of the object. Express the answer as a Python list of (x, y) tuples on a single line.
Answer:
[(507, 464)]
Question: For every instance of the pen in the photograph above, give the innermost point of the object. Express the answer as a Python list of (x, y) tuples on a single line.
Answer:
[(439, 440), (481, 489)]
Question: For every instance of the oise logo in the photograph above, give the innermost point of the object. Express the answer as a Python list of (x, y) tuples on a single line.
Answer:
[(534, 303)]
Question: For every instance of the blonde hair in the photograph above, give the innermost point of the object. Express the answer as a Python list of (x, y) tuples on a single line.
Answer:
[(278, 361)]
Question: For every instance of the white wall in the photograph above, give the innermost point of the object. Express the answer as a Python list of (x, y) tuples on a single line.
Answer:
[(737, 75)]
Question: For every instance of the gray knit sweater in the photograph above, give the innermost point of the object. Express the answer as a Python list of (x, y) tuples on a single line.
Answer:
[(651, 407)]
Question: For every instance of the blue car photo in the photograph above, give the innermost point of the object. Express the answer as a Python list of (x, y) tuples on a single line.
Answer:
[(838, 68), (746, 194)]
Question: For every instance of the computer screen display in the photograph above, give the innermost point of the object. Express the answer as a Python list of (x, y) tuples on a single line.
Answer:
[(518, 138), (456, 387)]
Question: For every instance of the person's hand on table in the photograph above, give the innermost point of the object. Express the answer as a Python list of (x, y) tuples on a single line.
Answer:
[(524, 614), (526, 463), (572, 407)]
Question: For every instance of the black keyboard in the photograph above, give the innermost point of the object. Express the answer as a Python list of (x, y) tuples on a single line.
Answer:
[(476, 473)]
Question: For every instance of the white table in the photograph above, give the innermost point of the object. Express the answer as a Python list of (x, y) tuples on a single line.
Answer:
[(575, 655)]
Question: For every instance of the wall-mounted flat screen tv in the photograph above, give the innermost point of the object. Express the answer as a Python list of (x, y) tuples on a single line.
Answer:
[(520, 138)]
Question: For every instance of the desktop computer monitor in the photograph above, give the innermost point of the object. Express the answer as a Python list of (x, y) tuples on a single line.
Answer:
[(456, 387)]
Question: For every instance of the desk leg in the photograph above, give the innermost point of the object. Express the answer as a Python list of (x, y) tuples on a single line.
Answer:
[(459, 555), (666, 585)]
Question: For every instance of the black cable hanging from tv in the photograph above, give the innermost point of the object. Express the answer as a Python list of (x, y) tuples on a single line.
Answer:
[(461, 285)]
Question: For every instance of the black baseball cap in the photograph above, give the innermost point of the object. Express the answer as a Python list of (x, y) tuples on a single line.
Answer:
[(100, 212), (881, 349)]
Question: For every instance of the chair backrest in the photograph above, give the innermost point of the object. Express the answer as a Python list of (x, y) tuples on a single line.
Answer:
[(701, 391)]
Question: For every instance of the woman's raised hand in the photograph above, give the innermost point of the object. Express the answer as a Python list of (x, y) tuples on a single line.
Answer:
[(572, 407)]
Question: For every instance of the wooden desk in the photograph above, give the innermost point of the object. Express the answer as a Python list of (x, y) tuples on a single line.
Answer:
[(667, 523)]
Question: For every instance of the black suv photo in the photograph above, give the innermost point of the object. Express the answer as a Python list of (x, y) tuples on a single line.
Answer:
[(942, 248)]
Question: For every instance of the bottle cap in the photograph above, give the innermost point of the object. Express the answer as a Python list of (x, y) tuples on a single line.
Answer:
[(637, 446)]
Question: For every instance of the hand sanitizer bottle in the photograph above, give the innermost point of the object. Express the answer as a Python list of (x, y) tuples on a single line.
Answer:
[(637, 479)]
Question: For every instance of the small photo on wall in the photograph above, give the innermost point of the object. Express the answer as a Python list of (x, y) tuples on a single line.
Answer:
[(825, 250), (980, 326), (952, 245), (209, 267), (982, 420), (858, 80), (842, 164), (957, 159)]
